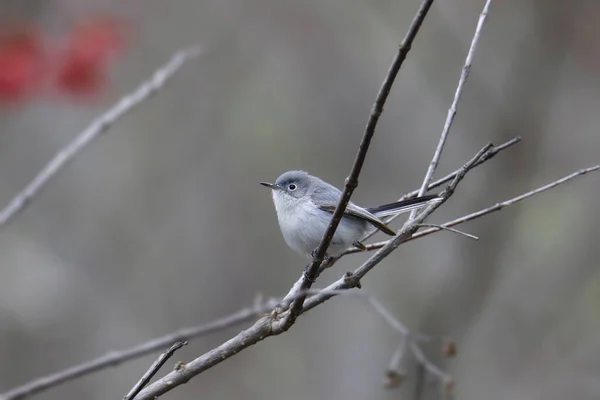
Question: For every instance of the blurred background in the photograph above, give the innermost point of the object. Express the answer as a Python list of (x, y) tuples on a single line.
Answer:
[(160, 224)]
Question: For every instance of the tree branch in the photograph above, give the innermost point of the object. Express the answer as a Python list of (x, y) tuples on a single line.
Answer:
[(408, 338), (492, 153), (484, 211), (395, 374), (94, 130), (486, 157), (145, 379), (115, 358), (445, 228), (452, 110), (312, 270)]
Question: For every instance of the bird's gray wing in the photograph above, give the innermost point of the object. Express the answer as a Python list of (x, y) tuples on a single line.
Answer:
[(352, 210), (327, 196)]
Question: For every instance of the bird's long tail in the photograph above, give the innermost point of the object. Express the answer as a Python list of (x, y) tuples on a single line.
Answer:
[(403, 206)]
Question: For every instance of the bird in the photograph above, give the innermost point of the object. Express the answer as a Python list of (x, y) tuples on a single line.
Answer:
[(305, 203)]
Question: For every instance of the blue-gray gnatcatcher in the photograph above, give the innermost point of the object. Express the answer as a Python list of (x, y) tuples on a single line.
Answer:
[(305, 203)]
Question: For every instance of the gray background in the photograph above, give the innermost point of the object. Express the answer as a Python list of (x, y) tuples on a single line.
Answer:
[(160, 224)]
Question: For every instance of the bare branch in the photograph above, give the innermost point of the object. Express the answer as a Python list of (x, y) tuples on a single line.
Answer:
[(485, 211), (312, 270), (449, 177), (411, 226), (445, 228), (394, 376), (429, 366), (452, 111), (412, 343), (489, 155), (115, 358), (160, 361), (408, 338), (94, 130)]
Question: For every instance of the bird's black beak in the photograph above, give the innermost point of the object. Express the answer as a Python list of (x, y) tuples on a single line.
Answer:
[(270, 185)]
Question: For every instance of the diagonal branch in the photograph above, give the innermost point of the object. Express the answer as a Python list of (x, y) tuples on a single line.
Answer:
[(145, 379), (411, 226), (488, 156), (445, 228), (448, 178), (485, 211), (115, 358), (312, 270), (94, 130), (452, 111), (409, 339)]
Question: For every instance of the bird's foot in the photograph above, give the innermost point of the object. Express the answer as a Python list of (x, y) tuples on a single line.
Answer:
[(313, 254), (307, 277)]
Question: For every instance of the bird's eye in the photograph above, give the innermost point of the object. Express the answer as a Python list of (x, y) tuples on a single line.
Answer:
[(292, 187)]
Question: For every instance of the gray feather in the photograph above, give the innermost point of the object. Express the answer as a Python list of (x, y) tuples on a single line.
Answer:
[(327, 197)]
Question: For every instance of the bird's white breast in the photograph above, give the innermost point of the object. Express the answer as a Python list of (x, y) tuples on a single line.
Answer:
[(303, 225)]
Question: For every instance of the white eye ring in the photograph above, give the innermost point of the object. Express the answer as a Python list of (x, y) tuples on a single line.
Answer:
[(292, 187)]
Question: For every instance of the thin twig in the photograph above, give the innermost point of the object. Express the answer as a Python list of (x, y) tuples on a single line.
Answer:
[(408, 337), (413, 345), (411, 226), (115, 358), (398, 356), (395, 374), (445, 228), (452, 110), (448, 178), (312, 270), (429, 366), (94, 130), (488, 156), (160, 361), (484, 211), (492, 153)]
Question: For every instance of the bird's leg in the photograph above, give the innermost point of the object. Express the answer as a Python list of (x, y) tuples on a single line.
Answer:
[(359, 245), (313, 254), (308, 278)]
